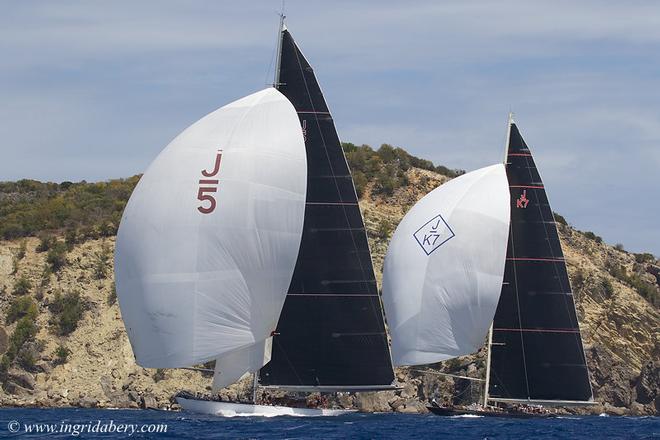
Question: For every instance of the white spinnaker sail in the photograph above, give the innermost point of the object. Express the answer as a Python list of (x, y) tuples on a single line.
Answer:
[(209, 239), (231, 367), (443, 270)]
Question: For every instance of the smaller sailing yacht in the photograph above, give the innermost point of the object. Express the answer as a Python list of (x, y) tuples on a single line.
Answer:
[(481, 256)]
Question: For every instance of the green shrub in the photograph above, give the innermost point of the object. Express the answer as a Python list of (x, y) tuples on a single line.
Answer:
[(619, 247), (45, 242), (45, 277), (107, 229), (62, 354), (5, 363), (453, 364), (21, 307), (360, 181), (22, 286), (88, 233), (25, 330), (644, 258), (607, 288), (578, 279), (70, 238), (26, 358), (560, 219), (57, 256), (112, 296), (22, 249), (617, 271), (647, 290), (384, 229), (590, 235), (67, 311), (159, 374), (102, 262)]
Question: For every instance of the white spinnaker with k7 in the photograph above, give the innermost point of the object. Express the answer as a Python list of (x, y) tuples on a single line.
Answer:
[(195, 286), (444, 267)]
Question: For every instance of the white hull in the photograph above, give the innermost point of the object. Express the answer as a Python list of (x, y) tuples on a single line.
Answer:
[(229, 409)]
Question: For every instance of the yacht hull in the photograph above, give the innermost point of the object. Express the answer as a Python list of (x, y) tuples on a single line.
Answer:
[(231, 409)]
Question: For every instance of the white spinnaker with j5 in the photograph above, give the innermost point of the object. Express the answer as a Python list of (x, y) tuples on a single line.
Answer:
[(443, 271), (209, 239)]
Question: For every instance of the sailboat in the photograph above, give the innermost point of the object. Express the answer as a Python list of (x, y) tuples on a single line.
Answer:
[(268, 265), (535, 347), (439, 305)]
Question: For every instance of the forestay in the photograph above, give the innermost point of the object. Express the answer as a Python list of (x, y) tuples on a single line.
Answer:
[(444, 266), (209, 239)]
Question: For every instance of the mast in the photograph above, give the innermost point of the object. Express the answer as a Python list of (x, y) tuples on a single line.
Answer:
[(278, 60), (489, 344), (487, 382), (255, 386), (508, 136)]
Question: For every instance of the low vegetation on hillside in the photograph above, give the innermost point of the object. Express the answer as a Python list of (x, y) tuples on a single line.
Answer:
[(83, 210), (386, 167)]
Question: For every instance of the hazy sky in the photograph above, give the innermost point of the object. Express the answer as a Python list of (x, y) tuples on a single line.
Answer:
[(94, 90)]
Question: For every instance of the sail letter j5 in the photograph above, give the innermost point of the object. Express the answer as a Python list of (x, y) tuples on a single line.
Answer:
[(216, 166), (202, 193)]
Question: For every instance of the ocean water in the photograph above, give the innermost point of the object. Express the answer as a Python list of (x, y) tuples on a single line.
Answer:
[(76, 423)]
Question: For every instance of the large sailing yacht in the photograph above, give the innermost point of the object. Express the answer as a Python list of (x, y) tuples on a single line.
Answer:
[(268, 269)]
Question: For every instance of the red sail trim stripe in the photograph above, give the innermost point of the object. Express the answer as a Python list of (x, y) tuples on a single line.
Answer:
[(520, 154), (532, 330), (537, 259), (527, 186), (331, 203), (334, 294)]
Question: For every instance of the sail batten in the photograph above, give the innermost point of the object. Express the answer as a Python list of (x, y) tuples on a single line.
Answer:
[(331, 332), (536, 349)]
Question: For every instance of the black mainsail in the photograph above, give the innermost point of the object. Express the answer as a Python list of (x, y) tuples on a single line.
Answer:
[(536, 353), (331, 333)]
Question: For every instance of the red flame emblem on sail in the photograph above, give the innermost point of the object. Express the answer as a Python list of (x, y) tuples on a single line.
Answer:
[(522, 201)]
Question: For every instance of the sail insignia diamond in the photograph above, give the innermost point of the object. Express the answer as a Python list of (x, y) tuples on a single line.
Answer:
[(433, 234)]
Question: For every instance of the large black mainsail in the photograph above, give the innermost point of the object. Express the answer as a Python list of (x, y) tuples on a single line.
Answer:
[(331, 333), (536, 352)]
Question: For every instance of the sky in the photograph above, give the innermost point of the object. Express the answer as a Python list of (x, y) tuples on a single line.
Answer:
[(94, 89)]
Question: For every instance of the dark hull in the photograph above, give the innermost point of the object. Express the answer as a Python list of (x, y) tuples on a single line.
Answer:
[(440, 411)]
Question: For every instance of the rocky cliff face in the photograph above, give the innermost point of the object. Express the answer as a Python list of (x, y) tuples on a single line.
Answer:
[(90, 362)]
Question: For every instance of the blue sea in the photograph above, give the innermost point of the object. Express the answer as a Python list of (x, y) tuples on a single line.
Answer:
[(123, 424)]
